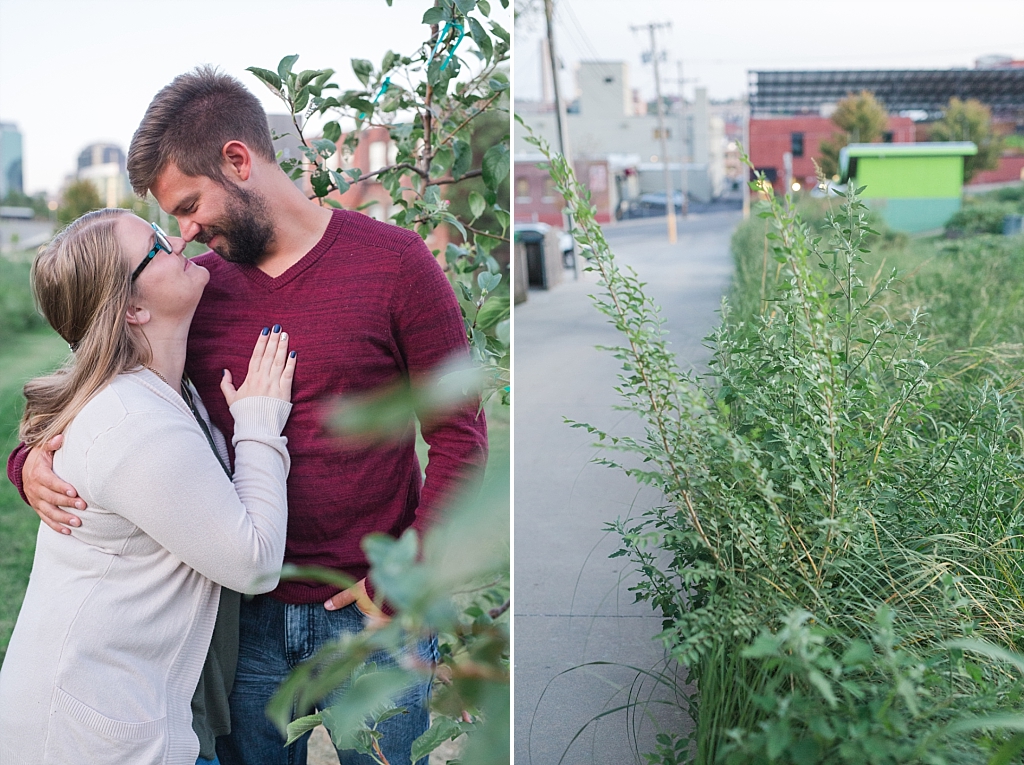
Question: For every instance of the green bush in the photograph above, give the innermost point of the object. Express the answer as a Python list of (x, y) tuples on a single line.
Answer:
[(17, 307), (983, 217), (837, 558)]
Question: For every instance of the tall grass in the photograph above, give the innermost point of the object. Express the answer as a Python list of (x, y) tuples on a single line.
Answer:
[(838, 555)]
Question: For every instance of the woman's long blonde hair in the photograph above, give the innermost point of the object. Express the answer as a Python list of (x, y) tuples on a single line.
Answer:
[(82, 284)]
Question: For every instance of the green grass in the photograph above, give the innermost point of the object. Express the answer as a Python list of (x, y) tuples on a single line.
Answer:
[(22, 356)]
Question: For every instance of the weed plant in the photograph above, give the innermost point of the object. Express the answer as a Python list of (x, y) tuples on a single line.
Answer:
[(838, 555)]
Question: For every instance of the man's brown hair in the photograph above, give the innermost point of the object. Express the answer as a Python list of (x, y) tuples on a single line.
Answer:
[(188, 123)]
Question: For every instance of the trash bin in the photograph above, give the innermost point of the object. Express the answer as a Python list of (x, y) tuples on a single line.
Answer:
[(1013, 225)]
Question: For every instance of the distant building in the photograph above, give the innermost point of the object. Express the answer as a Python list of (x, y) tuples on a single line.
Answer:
[(374, 151), (103, 165), (10, 160), (789, 110), (801, 137), (608, 122), (913, 187)]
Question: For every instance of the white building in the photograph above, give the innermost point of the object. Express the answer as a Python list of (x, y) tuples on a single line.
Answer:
[(103, 165), (609, 119)]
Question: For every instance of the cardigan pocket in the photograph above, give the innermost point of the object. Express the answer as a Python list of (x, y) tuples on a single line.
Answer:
[(78, 733)]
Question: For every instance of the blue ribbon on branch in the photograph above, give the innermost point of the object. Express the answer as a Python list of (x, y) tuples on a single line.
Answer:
[(381, 92), (440, 39)]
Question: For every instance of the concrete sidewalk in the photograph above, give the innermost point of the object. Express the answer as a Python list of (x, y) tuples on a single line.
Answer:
[(572, 604)]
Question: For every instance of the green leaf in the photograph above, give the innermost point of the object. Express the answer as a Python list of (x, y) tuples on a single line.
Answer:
[(298, 728), (284, 67), (441, 729), (339, 181), (301, 100), (270, 79), (496, 165), (486, 243), (363, 69), (493, 311), (488, 281), (324, 147), (500, 31), (364, 698), (463, 158), (504, 332), (481, 38), (436, 16), (321, 183), (477, 205), (332, 131), (389, 61), (443, 160), (465, 6), (484, 6), (306, 76)]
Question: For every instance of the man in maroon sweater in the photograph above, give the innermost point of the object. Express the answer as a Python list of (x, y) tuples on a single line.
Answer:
[(365, 304)]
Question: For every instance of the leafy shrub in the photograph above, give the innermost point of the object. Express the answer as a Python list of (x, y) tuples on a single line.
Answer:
[(836, 512), (17, 307), (980, 218)]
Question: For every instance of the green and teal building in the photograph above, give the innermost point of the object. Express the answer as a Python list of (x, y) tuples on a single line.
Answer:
[(913, 186)]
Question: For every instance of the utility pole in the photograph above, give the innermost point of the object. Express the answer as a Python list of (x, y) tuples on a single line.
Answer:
[(560, 119), (687, 153), (670, 203)]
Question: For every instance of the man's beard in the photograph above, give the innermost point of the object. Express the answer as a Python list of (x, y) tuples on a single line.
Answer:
[(245, 232)]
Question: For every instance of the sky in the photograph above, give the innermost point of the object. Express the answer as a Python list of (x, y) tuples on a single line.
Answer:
[(719, 40), (76, 72)]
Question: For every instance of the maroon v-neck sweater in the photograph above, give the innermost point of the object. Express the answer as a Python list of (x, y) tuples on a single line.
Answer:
[(367, 306)]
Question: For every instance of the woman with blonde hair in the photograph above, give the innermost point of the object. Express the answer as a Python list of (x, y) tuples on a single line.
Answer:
[(118, 616)]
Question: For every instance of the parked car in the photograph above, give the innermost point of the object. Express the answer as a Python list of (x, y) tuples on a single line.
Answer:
[(652, 205)]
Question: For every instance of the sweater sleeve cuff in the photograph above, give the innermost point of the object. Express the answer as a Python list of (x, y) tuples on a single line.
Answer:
[(256, 417), (15, 465)]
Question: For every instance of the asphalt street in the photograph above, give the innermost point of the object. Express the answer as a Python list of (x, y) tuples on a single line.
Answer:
[(573, 610)]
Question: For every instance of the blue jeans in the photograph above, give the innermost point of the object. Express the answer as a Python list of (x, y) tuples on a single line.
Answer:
[(274, 638)]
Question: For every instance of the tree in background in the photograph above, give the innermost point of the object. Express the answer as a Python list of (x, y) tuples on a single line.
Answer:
[(445, 106), (38, 203), (862, 119), (431, 103), (970, 120), (79, 198)]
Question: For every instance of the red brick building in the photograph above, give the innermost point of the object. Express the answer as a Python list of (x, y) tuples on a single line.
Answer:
[(537, 200), (374, 151), (771, 138)]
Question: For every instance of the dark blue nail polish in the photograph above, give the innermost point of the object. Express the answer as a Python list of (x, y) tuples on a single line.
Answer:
[(292, 354), (266, 330), (223, 373), (277, 328)]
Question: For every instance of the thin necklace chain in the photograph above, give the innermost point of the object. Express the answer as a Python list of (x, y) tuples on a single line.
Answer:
[(162, 378)]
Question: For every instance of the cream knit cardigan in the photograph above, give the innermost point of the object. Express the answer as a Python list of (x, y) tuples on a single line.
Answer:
[(117, 619)]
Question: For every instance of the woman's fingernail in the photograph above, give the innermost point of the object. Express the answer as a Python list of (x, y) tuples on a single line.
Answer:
[(329, 605), (223, 373), (292, 354), (78, 506), (70, 493), (266, 330), (277, 327)]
